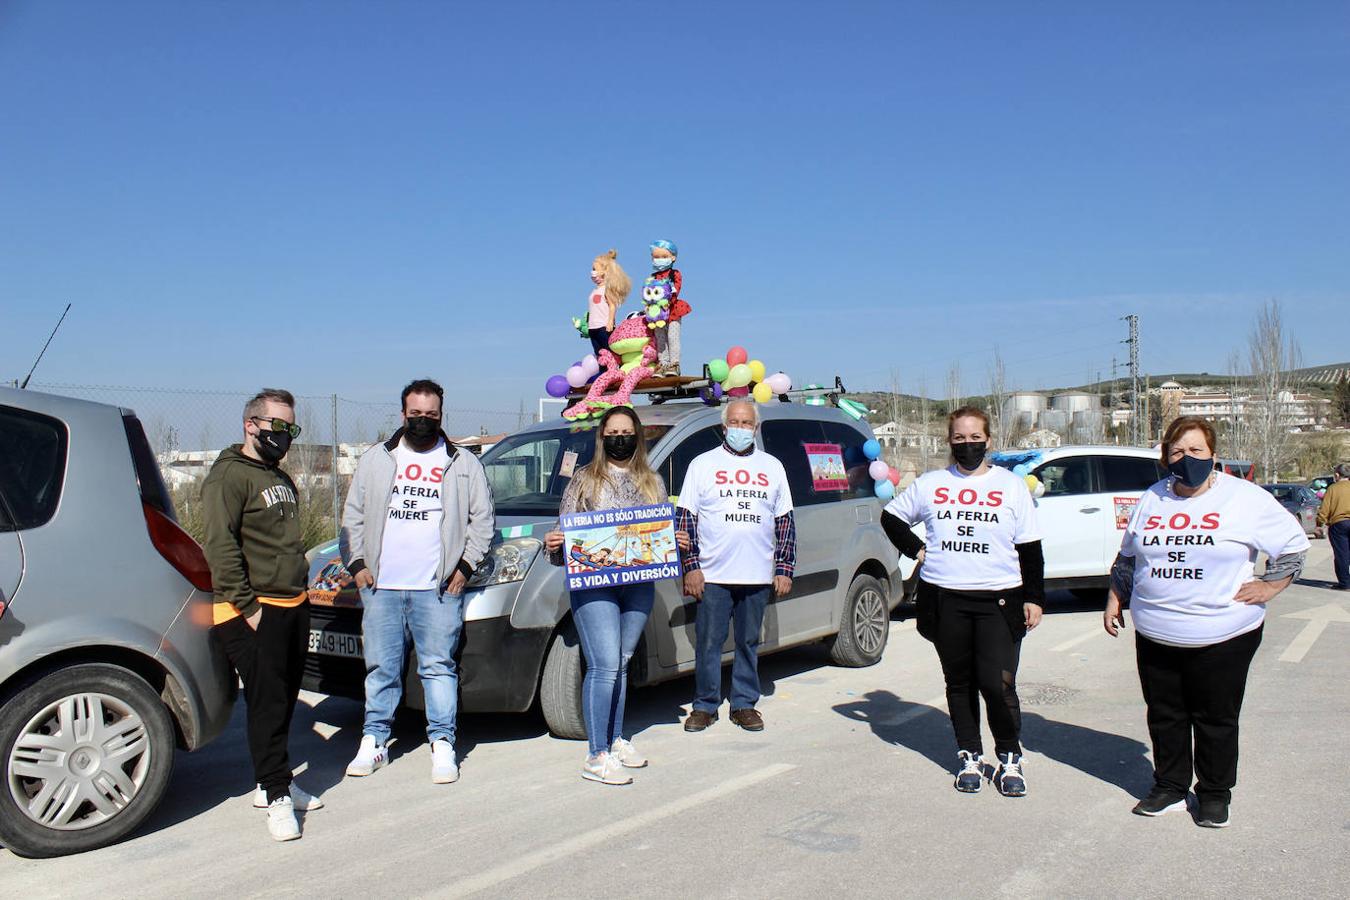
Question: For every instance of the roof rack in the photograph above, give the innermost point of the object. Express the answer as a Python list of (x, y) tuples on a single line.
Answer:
[(661, 389)]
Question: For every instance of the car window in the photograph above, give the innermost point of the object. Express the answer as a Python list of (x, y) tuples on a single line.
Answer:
[(32, 468), (1281, 493), (1066, 477), (1128, 473), (677, 463), (785, 439), (851, 441)]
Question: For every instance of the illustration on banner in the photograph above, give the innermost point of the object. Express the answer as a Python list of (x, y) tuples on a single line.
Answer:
[(613, 547)]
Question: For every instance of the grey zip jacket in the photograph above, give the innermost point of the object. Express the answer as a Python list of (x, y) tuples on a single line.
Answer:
[(465, 536)]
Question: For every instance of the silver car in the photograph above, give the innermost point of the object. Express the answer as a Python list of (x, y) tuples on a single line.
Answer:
[(106, 659), (519, 645)]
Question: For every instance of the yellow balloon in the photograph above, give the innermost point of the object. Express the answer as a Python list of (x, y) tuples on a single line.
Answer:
[(763, 393), (1032, 481), (756, 371)]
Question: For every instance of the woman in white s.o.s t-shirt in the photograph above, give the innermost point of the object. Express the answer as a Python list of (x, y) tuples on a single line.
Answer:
[(1187, 565), (980, 590)]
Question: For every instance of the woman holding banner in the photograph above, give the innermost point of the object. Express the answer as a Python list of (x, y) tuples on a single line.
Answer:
[(609, 620)]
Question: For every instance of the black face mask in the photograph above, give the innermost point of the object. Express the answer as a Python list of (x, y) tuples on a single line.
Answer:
[(969, 455), (272, 445), (422, 431), (1191, 471), (620, 446)]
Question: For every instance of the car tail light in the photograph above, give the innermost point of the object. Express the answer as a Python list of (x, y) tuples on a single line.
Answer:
[(178, 547)]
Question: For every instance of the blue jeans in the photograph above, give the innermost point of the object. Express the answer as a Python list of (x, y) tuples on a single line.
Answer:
[(1339, 535), (723, 603), (609, 623), (433, 620)]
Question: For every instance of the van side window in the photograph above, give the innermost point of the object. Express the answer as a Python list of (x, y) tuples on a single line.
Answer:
[(1066, 477), (1129, 473), (784, 438), (677, 463), (32, 468), (851, 441)]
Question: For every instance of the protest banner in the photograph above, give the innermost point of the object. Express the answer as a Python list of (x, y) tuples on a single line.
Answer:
[(615, 547)]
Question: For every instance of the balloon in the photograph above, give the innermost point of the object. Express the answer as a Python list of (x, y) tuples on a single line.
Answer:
[(893, 476), (718, 370), (756, 371), (878, 470), (557, 386), (717, 392), (1032, 483), (739, 392), (872, 449), (590, 365), (739, 376), (1021, 469), (762, 393), (885, 490), (737, 356), (577, 363), (576, 376), (780, 383)]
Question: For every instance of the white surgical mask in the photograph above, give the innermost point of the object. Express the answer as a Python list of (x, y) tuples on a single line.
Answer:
[(660, 264), (740, 439)]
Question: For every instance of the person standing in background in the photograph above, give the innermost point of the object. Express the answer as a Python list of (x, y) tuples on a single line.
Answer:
[(1333, 520)]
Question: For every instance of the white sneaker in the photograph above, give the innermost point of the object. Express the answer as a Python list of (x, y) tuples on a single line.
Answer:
[(369, 757), (303, 800), (604, 768), (443, 767), (627, 754), (281, 821)]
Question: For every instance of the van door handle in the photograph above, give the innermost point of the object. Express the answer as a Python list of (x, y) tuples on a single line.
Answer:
[(1090, 509)]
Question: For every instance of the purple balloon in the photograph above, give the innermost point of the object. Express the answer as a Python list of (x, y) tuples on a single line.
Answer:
[(717, 391), (557, 386)]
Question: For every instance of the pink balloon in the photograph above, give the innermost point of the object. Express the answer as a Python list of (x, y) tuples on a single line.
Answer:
[(879, 470), (576, 376), (894, 476), (736, 356)]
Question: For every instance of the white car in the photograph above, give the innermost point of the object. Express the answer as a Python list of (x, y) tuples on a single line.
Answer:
[(1089, 494)]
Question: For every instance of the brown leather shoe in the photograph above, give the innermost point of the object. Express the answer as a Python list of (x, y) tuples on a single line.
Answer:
[(749, 719), (699, 720)]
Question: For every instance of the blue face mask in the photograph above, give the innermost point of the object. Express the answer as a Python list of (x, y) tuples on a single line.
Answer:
[(1191, 471), (740, 439), (665, 262)]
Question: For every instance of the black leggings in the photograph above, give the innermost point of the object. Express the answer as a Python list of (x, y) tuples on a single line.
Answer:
[(979, 657)]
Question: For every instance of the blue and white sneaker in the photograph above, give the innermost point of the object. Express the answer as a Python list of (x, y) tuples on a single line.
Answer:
[(970, 777), (1009, 778)]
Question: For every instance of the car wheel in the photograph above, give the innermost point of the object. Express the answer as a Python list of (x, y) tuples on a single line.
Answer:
[(864, 625), (560, 685), (87, 755)]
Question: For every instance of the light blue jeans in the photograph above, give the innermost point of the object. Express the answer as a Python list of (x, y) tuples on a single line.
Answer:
[(433, 621), (609, 624)]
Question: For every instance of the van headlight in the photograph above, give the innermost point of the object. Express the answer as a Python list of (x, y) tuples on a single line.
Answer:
[(506, 562)]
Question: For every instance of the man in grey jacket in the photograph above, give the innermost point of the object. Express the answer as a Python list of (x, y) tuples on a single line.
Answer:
[(417, 523)]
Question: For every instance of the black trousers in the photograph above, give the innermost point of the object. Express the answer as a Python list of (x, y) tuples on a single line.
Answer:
[(1195, 694), (979, 655), (270, 663), (599, 340)]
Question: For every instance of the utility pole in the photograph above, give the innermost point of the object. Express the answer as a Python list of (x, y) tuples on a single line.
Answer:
[(1133, 341)]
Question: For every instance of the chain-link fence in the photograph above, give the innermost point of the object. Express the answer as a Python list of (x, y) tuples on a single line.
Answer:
[(188, 429)]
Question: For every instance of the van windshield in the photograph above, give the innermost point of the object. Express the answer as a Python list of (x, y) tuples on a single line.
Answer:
[(529, 471)]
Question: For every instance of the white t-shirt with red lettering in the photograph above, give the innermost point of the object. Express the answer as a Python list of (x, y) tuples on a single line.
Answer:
[(736, 499), (410, 550), (1191, 554), (973, 524)]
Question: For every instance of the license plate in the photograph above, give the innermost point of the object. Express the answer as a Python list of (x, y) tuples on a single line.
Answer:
[(335, 643)]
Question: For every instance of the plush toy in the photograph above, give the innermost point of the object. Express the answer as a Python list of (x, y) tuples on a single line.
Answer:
[(627, 361), (668, 341), (656, 302)]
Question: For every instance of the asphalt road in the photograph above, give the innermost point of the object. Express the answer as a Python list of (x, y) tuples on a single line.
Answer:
[(847, 792)]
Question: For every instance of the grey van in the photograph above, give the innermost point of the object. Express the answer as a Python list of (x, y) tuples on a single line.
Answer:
[(519, 645), (106, 658)]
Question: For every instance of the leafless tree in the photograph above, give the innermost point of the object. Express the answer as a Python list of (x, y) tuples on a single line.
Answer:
[(998, 398), (923, 426), (954, 396), (1272, 356)]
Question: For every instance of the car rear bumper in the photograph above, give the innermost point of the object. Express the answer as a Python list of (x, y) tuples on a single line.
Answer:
[(499, 664)]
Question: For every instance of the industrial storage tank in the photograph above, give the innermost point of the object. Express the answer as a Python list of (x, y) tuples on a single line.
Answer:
[(1023, 408), (1074, 401), (1087, 426), (1056, 420)]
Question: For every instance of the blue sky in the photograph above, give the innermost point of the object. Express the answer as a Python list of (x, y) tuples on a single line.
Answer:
[(336, 197)]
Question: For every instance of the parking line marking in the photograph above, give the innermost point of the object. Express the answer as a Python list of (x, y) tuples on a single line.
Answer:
[(596, 836), (1074, 642)]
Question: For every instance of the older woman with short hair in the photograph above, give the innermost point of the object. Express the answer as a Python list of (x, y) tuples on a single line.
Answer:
[(1186, 564)]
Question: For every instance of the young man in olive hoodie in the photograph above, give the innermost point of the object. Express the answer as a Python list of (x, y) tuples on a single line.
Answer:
[(257, 557)]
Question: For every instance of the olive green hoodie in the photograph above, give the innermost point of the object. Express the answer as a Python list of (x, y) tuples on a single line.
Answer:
[(251, 514)]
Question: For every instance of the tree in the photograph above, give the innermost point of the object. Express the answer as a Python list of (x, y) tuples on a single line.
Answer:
[(997, 398), (1271, 358), (1340, 402)]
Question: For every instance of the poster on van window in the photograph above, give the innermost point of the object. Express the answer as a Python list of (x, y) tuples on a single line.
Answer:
[(615, 547), (1124, 507), (827, 467)]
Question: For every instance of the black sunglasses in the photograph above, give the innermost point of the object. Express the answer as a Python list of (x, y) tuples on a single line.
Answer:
[(276, 424)]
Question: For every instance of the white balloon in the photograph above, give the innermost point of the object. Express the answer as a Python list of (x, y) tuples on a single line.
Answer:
[(780, 383), (590, 365), (576, 376)]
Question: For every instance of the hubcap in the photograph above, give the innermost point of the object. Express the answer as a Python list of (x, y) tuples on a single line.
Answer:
[(869, 621), (80, 761)]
